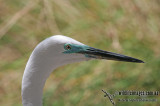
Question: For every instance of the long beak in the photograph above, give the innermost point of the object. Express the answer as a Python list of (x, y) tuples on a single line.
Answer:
[(101, 54)]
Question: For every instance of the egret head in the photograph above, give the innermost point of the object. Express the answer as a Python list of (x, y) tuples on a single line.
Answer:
[(65, 50), (54, 52)]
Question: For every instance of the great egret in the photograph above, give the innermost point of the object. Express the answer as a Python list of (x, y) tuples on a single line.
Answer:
[(51, 53)]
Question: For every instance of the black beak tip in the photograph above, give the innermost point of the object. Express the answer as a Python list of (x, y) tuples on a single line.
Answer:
[(142, 62), (138, 61)]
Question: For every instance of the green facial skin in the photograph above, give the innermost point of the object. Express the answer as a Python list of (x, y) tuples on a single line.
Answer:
[(76, 49)]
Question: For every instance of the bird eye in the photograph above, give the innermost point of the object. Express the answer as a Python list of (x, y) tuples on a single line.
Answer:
[(68, 47)]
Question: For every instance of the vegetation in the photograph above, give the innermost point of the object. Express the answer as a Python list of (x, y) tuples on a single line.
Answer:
[(127, 27)]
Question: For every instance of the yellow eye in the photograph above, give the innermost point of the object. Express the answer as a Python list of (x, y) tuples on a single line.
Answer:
[(68, 47)]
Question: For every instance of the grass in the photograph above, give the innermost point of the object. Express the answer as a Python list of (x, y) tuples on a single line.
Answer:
[(130, 27)]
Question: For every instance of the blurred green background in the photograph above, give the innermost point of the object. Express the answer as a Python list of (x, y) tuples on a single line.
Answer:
[(129, 27)]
